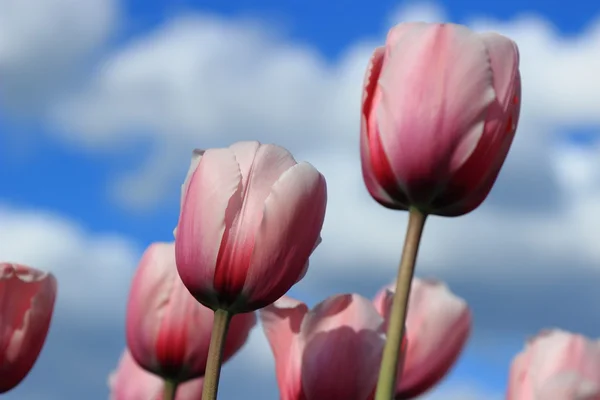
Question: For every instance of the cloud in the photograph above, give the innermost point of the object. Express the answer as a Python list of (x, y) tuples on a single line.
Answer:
[(93, 270), (179, 87), (42, 45), (527, 259)]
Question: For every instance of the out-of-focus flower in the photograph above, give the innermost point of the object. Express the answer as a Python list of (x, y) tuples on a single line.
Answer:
[(330, 352), (27, 299), (438, 325), (132, 382), (168, 331), (556, 365), (440, 109), (250, 218)]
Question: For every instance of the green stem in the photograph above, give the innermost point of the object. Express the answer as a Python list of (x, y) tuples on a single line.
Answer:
[(215, 354), (170, 389), (386, 385)]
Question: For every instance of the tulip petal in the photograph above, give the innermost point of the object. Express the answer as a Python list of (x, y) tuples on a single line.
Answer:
[(569, 385), (436, 87), (212, 201), (504, 59), (261, 166), (196, 157), (26, 305), (337, 332), (281, 323), (305, 269), (292, 219), (482, 168), (376, 169)]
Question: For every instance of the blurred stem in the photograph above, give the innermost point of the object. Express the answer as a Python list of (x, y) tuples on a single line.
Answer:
[(386, 385), (215, 354), (170, 389)]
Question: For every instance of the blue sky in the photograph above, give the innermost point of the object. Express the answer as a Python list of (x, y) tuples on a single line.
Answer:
[(102, 104)]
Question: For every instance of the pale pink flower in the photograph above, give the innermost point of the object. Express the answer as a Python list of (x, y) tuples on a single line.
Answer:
[(168, 331), (250, 218), (440, 110)]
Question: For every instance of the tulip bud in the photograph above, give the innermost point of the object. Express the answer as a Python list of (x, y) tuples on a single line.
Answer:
[(250, 218), (27, 302), (439, 112), (556, 365), (438, 325), (132, 382), (330, 352), (168, 331)]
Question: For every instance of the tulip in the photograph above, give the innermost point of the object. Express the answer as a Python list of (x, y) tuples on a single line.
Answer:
[(250, 218), (168, 331), (27, 302), (330, 352), (438, 324), (439, 112), (556, 365), (132, 382)]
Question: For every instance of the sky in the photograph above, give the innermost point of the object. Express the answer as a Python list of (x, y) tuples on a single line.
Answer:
[(102, 102)]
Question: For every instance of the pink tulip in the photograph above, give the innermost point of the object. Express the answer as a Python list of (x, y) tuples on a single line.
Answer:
[(330, 352), (168, 331), (440, 110), (132, 382), (250, 218), (437, 327), (27, 302), (556, 365)]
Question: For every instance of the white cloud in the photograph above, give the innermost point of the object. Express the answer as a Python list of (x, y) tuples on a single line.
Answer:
[(42, 42), (203, 81), (93, 270)]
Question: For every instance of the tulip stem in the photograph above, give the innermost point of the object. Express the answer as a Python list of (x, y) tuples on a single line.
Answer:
[(215, 354), (386, 385), (170, 389)]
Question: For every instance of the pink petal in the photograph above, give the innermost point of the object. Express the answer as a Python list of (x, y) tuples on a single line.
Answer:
[(212, 201), (377, 173), (27, 298), (438, 325), (292, 220), (436, 87), (471, 184), (196, 157), (132, 382), (567, 386), (337, 333), (552, 354), (305, 268), (261, 166), (281, 322)]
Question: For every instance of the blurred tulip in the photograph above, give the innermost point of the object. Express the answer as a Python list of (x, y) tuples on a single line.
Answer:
[(439, 112), (132, 382), (250, 219), (330, 352), (27, 302), (438, 325), (556, 365), (168, 331)]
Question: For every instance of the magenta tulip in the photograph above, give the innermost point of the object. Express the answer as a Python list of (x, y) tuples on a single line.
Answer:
[(250, 219), (330, 352), (27, 303), (438, 325), (556, 365), (132, 382), (440, 110), (168, 331)]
